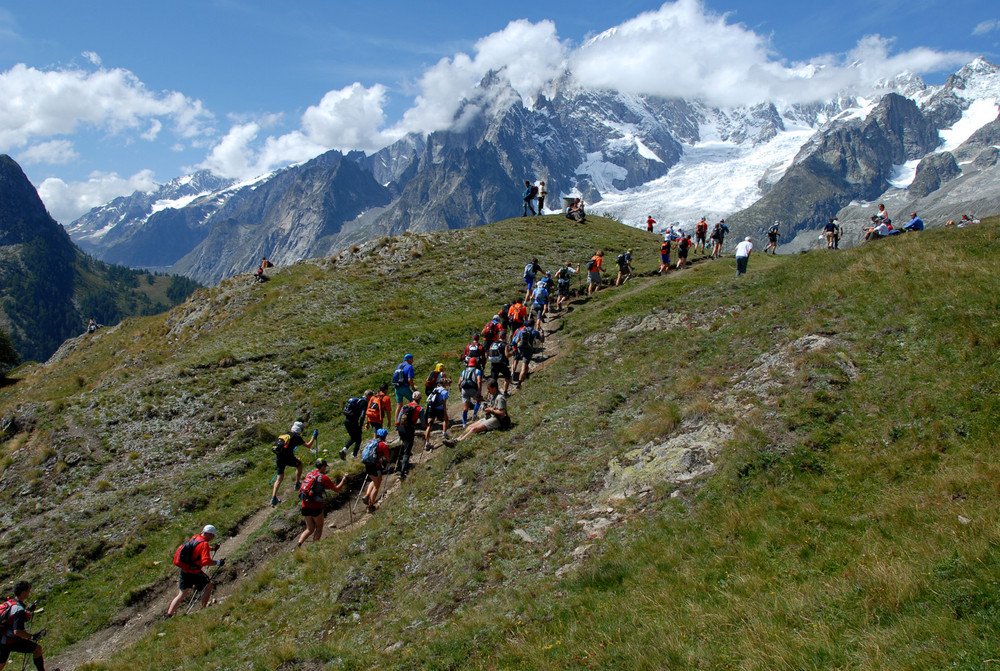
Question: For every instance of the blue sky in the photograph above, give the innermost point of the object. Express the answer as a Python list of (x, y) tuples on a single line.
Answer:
[(100, 98)]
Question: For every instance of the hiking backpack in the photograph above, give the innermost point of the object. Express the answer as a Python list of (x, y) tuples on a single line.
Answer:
[(369, 453), (312, 487), (399, 378), (621, 259), (490, 331), (281, 443), (409, 415), (590, 264), (353, 408), (376, 405), (475, 351), (184, 557), (432, 397), (529, 271), (468, 378), (497, 352), (5, 609), (523, 339), (431, 381)]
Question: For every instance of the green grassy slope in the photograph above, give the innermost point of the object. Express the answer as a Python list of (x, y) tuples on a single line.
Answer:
[(841, 406)]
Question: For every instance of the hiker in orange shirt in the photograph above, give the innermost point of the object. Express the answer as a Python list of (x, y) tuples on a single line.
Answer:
[(379, 408), (594, 272)]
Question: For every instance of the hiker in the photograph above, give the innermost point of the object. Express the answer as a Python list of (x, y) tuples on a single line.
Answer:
[(379, 408), (530, 193), (882, 216), (772, 238), (92, 326), (700, 234), (473, 350), (409, 417), (492, 332), (495, 412), (523, 344), (649, 223), (433, 377), (594, 272), (264, 263), (563, 279), (517, 314), (624, 262), (828, 232), (375, 457), (718, 236), (878, 229), (542, 193), (354, 412), (743, 250), (313, 505), (547, 282), (576, 212), (191, 557), (915, 223), (531, 271), (259, 276), (504, 314), (499, 356), (837, 230), (664, 256), (284, 455), (15, 636), (402, 379), (470, 385), (436, 408), (683, 245), (540, 302)]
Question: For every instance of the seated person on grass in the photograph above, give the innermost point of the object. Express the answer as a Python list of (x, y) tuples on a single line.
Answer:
[(495, 411)]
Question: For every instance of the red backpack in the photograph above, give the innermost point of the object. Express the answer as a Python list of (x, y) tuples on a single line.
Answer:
[(5, 612), (184, 557), (312, 487)]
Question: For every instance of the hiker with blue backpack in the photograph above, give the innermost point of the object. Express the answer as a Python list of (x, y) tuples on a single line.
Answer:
[(523, 344), (354, 413), (531, 271), (375, 457), (313, 505), (402, 379), (436, 408)]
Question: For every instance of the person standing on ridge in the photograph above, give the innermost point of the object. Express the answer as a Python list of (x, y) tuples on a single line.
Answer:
[(402, 379), (409, 417), (354, 413), (664, 256), (828, 233), (284, 455), (718, 236), (542, 193), (742, 254), (191, 558), (649, 223), (15, 636), (772, 238), (594, 272), (683, 245), (530, 192), (437, 409), (379, 408), (313, 505)]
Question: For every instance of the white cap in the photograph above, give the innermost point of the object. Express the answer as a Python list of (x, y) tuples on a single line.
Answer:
[(748, 238), (297, 427), (209, 529)]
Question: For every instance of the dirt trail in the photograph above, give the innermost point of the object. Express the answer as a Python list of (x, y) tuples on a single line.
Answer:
[(130, 624)]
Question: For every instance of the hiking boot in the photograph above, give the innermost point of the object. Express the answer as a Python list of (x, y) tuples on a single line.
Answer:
[(449, 442), (343, 454), (275, 501)]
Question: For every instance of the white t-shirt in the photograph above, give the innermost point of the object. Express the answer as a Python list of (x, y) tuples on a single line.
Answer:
[(743, 249), (882, 229)]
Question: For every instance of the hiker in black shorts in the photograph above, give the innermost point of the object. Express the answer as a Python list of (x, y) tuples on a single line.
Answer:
[(354, 415), (284, 456), (499, 356), (15, 636)]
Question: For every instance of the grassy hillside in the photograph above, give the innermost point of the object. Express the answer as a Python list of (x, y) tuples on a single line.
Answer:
[(793, 469)]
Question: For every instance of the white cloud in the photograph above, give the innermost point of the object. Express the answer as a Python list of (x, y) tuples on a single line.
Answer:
[(350, 118), (986, 27), (93, 57), (41, 103), (68, 201), (684, 50), (54, 152)]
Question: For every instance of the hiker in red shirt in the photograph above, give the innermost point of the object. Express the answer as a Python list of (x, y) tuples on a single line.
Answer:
[(594, 272), (313, 511), (649, 223), (191, 558), (700, 234)]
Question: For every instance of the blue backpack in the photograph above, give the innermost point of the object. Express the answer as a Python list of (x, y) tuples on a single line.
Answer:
[(369, 454), (399, 378)]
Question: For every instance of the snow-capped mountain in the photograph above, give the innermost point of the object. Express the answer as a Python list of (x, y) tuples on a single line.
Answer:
[(627, 155)]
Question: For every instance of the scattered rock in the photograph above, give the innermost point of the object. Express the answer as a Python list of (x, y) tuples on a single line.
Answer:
[(964, 520), (524, 535)]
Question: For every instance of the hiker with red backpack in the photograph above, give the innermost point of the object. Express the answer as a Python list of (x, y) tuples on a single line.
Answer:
[(474, 350), (191, 557), (433, 378), (284, 455), (492, 332), (14, 616), (375, 457), (313, 510), (409, 418)]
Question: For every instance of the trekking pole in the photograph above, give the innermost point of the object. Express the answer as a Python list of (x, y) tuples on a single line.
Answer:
[(360, 492), (36, 637), (315, 444), (197, 593)]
